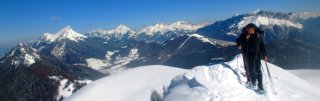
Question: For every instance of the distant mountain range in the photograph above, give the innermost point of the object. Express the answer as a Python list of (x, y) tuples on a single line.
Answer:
[(70, 59), (158, 32), (277, 25)]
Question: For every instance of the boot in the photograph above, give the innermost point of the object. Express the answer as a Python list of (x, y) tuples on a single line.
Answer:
[(260, 90), (252, 86), (260, 87)]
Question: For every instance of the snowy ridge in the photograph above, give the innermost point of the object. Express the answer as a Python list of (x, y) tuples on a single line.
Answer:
[(23, 55), (225, 82), (263, 20), (261, 17), (65, 33), (277, 26), (161, 28), (118, 32), (200, 37), (121, 29), (156, 30), (213, 41)]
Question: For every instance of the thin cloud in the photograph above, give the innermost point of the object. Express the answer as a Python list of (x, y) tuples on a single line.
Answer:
[(56, 18)]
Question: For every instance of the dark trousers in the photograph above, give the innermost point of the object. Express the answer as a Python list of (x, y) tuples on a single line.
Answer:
[(254, 67)]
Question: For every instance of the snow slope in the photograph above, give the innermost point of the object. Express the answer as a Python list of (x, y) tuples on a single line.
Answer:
[(310, 75), (130, 85), (225, 82), (220, 82), (66, 87)]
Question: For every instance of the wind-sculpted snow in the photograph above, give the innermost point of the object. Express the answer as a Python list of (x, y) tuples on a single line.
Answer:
[(225, 82)]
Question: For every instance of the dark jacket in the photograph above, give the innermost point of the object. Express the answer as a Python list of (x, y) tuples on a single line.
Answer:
[(253, 45)]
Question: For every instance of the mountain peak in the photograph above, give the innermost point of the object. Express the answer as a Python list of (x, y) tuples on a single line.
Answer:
[(272, 14), (68, 28), (181, 22), (69, 33), (260, 11), (122, 26), (64, 33), (22, 54), (121, 29)]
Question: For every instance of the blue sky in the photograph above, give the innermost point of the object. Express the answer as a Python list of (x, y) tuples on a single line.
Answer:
[(22, 20)]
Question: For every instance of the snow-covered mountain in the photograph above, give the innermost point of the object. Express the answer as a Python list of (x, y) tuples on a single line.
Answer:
[(90, 50), (101, 49), (22, 55), (27, 74), (66, 33), (161, 32), (277, 26), (109, 49), (162, 28), (222, 82), (69, 46), (115, 50), (158, 32), (121, 32)]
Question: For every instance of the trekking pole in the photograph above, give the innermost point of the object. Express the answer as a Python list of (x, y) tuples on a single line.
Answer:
[(237, 60), (270, 79), (264, 75)]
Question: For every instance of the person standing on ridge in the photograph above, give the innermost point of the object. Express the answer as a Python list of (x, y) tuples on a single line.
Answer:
[(250, 43)]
